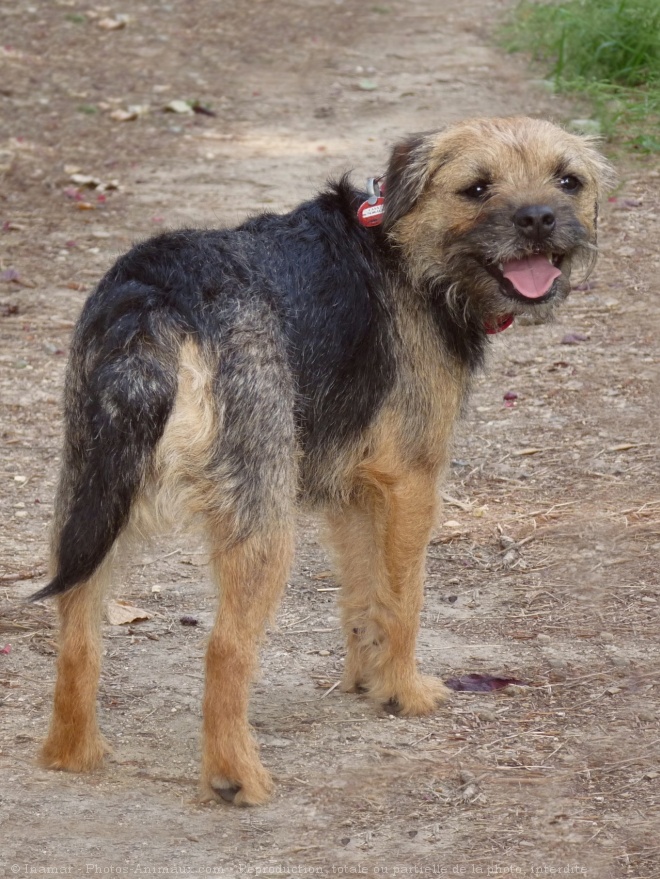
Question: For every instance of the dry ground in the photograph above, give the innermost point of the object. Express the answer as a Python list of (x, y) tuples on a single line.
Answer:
[(545, 566)]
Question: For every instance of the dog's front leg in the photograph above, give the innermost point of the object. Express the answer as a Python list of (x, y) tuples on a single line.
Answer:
[(380, 543)]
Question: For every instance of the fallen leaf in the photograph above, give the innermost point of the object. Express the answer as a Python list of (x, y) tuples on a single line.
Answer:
[(478, 683), (87, 181), (120, 613), (177, 106), (200, 108)]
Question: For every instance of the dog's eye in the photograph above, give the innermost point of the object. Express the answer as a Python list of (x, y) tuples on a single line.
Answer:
[(477, 190), (569, 183)]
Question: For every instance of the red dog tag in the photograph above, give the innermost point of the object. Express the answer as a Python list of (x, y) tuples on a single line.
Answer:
[(370, 212)]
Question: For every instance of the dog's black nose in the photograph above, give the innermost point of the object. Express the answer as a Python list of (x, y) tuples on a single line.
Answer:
[(535, 221)]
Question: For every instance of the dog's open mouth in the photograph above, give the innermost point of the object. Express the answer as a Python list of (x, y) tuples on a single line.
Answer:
[(530, 277)]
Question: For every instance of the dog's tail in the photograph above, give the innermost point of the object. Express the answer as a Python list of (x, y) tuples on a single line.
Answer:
[(120, 389)]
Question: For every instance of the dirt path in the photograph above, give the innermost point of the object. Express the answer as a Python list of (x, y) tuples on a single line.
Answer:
[(545, 566)]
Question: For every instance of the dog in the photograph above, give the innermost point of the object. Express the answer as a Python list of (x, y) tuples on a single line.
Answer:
[(317, 359)]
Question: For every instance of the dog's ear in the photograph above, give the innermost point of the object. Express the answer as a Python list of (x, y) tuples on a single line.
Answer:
[(407, 174)]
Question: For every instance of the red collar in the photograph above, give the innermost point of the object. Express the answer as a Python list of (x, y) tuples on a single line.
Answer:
[(498, 325), (370, 213)]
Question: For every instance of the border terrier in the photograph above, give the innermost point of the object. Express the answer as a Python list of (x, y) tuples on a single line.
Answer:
[(317, 359)]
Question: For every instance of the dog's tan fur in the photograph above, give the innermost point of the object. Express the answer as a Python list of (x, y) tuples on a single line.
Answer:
[(383, 486)]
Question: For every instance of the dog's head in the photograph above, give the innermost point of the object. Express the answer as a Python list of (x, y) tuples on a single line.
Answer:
[(496, 212)]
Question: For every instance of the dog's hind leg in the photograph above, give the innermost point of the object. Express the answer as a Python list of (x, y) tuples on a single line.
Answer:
[(380, 543), (251, 578), (245, 491), (120, 389), (74, 741)]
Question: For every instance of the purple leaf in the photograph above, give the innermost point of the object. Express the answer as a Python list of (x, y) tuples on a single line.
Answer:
[(478, 683)]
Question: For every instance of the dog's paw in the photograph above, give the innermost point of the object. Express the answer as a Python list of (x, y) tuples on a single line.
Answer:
[(352, 684), (73, 754), (254, 788), (423, 696)]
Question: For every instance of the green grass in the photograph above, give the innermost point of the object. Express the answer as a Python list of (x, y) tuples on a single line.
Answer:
[(605, 50)]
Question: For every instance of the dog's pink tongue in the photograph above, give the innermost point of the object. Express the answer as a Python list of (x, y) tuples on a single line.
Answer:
[(532, 276)]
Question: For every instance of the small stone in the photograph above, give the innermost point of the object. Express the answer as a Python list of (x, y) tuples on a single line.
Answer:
[(113, 24), (324, 653), (606, 637), (124, 115), (574, 338), (511, 690), (543, 639)]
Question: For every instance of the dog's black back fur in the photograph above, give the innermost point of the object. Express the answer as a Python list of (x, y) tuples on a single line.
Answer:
[(322, 280), (326, 281)]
